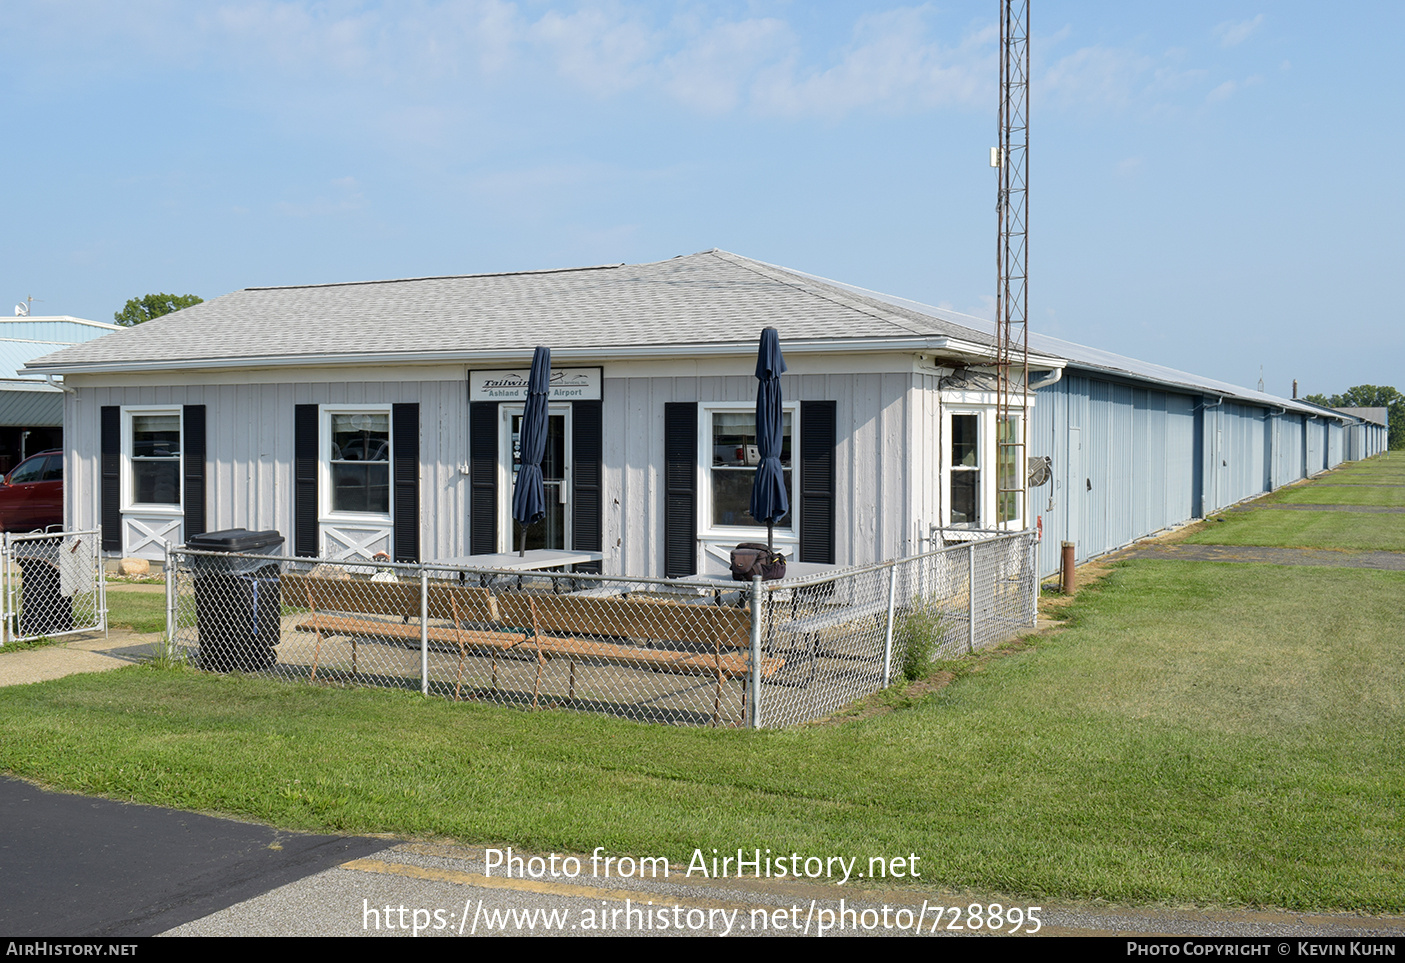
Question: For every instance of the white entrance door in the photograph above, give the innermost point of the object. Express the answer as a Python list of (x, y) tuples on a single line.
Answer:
[(553, 531)]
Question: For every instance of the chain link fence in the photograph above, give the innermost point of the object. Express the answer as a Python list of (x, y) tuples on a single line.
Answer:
[(701, 651), (51, 584), (843, 636)]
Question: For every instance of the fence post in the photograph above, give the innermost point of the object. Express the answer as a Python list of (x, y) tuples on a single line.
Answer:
[(170, 602), (100, 582), (6, 581), (424, 630), (753, 668), (971, 597), (888, 642), (1031, 579)]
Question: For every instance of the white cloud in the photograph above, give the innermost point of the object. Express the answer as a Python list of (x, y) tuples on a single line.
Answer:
[(1229, 87), (1222, 92), (893, 66), (1097, 76), (602, 50), (1232, 34), (711, 73), (1123, 79), (306, 55)]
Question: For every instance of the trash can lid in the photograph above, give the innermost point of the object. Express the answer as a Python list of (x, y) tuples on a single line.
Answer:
[(234, 540), (46, 548)]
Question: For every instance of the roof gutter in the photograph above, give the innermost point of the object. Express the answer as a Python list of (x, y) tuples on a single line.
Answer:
[(941, 344), (59, 385), (1191, 388)]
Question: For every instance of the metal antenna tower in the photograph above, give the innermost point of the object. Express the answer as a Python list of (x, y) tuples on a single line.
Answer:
[(1011, 159)]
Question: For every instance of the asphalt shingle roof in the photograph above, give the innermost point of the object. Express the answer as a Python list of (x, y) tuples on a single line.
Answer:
[(709, 298)]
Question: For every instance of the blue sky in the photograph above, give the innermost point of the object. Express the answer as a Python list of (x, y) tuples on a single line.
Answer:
[(1214, 186)]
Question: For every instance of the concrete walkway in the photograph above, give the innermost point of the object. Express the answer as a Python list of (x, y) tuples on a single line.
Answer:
[(1171, 549), (1386, 561), (83, 653), (1318, 508)]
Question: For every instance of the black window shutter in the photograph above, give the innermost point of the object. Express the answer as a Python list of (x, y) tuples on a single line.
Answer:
[(680, 514), (305, 430), (110, 468), (193, 444), (587, 500), (817, 441), (405, 444), (482, 477)]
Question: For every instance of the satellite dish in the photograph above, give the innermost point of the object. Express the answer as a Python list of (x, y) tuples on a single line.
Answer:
[(21, 310)]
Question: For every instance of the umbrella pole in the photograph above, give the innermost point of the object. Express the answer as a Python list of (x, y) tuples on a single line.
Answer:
[(770, 536)]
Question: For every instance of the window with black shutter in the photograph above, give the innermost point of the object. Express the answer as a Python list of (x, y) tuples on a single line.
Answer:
[(110, 422), (587, 494), (680, 488), (193, 440), (406, 452), (305, 471), (483, 477), (818, 437)]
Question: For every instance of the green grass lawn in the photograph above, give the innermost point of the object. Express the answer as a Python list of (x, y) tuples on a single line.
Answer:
[(1378, 481), (1203, 733), (26, 644), (132, 608), (1326, 493), (1304, 529), (1388, 467)]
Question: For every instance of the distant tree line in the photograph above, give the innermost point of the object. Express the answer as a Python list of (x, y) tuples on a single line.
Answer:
[(1371, 396), (151, 306)]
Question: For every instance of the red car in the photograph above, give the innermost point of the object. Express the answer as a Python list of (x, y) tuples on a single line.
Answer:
[(31, 496)]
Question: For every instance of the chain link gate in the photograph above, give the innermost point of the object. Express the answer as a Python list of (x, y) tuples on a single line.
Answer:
[(694, 652), (51, 584)]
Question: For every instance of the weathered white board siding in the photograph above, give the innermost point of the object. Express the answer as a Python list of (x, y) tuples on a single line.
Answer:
[(249, 441), (887, 457), (884, 443)]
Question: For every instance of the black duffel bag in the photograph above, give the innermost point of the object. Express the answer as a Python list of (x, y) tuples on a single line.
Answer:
[(750, 559)]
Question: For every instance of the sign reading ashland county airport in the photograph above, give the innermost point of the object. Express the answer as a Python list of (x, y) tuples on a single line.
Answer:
[(567, 384)]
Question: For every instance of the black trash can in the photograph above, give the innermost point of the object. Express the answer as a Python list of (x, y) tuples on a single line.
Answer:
[(238, 599), (44, 610)]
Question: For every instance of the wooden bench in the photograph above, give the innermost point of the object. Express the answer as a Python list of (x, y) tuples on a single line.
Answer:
[(618, 630), (461, 605), (722, 636)]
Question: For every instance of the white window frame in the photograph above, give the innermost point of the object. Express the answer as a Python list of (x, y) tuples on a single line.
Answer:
[(326, 512), (788, 529), (1017, 523), (950, 469), (987, 495), (505, 481), (129, 493)]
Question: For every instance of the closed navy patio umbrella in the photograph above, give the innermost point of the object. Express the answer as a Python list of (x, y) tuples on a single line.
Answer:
[(769, 499), (528, 495)]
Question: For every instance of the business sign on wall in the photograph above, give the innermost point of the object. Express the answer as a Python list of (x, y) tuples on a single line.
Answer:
[(567, 384)]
